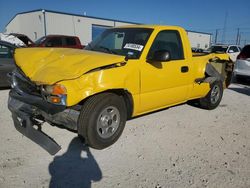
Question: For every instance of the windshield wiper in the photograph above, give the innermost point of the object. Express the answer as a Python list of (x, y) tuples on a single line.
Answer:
[(107, 49)]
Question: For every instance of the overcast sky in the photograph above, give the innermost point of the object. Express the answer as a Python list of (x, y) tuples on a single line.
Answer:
[(197, 15)]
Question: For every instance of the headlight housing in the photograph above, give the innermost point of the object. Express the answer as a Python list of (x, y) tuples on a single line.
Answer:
[(56, 94), (56, 89)]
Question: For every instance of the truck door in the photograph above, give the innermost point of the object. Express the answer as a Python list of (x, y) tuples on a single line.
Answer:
[(165, 83)]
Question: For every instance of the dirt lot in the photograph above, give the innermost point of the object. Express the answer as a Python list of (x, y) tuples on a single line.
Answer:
[(183, 146)]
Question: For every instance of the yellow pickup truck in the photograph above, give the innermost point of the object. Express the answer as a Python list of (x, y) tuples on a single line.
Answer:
[(125, 72)]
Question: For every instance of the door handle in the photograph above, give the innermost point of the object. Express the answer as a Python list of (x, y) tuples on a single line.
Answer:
[(184, 69)]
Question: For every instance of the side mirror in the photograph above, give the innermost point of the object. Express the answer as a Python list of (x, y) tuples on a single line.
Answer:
[(161, 55), (231, 51)]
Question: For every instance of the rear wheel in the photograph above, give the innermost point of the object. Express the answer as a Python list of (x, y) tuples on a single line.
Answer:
[(213, 98), (102, 120)]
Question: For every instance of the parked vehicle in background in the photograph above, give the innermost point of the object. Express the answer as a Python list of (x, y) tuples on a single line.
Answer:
[(12, 39), (61, 41), (242, 65), (197, 50), (7, 64), (24, 38), (232, 50)]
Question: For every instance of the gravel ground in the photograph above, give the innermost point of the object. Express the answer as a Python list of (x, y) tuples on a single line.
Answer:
[(182, 146)]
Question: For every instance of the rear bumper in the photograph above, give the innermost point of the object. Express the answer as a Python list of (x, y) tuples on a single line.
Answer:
[(242, 68), (238, 72)]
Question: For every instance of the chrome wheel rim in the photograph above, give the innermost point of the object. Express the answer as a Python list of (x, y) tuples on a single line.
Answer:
[(108, 122), (215, 94)]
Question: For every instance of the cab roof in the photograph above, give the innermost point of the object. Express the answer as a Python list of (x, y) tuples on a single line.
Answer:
[(151, 26)]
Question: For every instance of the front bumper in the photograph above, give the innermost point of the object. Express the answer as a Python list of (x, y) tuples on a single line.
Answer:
[(30, 111), (24, 123)]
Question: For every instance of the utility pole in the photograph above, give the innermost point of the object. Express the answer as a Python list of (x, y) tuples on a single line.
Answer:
[(238, 37), (216, 36), (224, 28), (44, 23)]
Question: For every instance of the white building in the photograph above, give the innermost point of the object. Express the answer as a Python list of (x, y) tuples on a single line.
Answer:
[(199, 39), (38, 23)]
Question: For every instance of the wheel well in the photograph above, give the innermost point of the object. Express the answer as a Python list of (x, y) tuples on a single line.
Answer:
[(127, 98), (123, 93)]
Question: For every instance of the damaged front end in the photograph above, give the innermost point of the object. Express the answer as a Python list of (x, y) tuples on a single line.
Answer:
[(30, 110)]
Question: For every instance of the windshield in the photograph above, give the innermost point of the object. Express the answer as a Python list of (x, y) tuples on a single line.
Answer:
[(128, 42), (220, 49)]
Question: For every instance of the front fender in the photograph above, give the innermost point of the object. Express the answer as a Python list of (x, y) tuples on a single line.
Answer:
[(99, 81)]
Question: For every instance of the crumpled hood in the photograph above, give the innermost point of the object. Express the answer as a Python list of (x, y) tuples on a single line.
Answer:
[(50, 65)]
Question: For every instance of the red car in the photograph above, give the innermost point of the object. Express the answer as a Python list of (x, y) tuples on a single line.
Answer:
[(61, 41)]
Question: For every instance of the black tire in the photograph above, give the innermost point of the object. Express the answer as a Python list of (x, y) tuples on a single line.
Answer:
[(213, 98), (102, 120)]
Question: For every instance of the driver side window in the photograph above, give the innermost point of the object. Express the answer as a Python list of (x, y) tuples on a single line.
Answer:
[(170, 41)]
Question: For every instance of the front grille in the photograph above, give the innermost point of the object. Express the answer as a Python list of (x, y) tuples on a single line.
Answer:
[(22, 83)]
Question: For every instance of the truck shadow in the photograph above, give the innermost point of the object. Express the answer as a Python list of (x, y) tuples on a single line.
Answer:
[(4, 88), (242, 81), (245, 90), (72, 169), (244, 84)]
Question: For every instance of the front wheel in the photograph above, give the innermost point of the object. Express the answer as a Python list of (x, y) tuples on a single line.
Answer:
[(213, 98), (102, 120)]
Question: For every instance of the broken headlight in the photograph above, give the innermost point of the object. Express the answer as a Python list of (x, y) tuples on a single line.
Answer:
[(56, 94)]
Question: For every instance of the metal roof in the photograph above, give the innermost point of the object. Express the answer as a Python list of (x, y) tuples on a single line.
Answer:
[(107, 19), (58, 12), (199, 32)]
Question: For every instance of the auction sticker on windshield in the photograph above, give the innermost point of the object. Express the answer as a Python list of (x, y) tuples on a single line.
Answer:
[(133, 46)]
